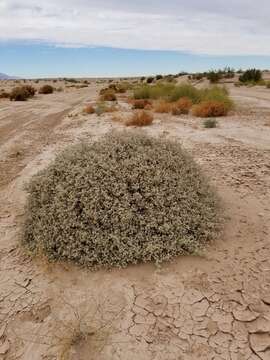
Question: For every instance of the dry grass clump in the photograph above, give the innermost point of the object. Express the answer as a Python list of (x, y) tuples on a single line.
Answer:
[(141, 104), (89, 109), (107, 95), (140, 118), (46, 89), (102, 108), (182, 106), (4, 95), (162, 107), (210, 109), (125, 199), (22, 93)]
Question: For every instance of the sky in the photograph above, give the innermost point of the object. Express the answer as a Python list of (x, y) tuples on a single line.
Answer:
[(122, 38)]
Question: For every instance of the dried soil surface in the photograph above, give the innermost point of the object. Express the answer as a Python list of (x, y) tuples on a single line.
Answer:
[(212, 306)]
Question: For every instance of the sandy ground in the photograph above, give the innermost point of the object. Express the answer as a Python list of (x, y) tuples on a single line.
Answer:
[(212, 306)]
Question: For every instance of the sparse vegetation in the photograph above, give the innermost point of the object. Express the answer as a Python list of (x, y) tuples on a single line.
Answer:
[(182, 106), (108, 95), (22, 93), (214, 76), (141, 104), (102, 108), (175, 93), (162, 106), (140, 118), (125, 199), (4, 95), (210, 123), (46, 89), (251, 76), (89, 109), (150, 80), (210, 108)]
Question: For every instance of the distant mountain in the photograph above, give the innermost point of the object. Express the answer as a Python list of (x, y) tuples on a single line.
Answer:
[(6, 77)]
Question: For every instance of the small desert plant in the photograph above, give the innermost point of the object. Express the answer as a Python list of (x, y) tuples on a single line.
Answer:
[(140, 118), (124, 199), (214, 76), (20, 93), (30, 89), (209, 109), (89, 109), (251, 75), (162, 107), (268, 85), (46, 89), (182, 106), (141, 104), (4, 95), (150, 80), (102, 108), (108, 95), (210, 123)]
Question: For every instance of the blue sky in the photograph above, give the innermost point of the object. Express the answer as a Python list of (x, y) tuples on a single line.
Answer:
[(117, 37)]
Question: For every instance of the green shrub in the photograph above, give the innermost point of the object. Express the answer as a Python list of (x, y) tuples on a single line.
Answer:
[(251, 75), (219, 94), (173, 93), (46, 89), (214, 76), (187, 91), (150, 80), (210, 123), (125, 199)]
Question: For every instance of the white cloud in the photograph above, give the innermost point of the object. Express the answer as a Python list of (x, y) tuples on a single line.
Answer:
[(234, 27)]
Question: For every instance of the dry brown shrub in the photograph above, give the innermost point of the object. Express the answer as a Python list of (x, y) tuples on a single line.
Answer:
[(141, 103), (210, 109), (89, 109), (111, 108), (4, 95), (182, 106), (46, 89), (162, 107), (140, 118), (108, 95)]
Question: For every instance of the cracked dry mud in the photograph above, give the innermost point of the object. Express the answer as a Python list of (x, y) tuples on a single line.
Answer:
[(213, 306)]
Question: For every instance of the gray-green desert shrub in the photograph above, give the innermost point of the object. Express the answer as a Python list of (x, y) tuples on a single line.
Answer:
[(210, 123), (125, 199)]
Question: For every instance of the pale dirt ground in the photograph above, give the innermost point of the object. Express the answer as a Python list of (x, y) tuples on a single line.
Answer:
[(212, 306)]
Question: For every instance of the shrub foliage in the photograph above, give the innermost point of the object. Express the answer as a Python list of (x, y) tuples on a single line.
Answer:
[(46, 89), (251, 75), (209, 109), (140, 118), (124, 199), (22, 93)]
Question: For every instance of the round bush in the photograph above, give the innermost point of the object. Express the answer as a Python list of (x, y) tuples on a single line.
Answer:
[(46, 89), (124, 199)]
